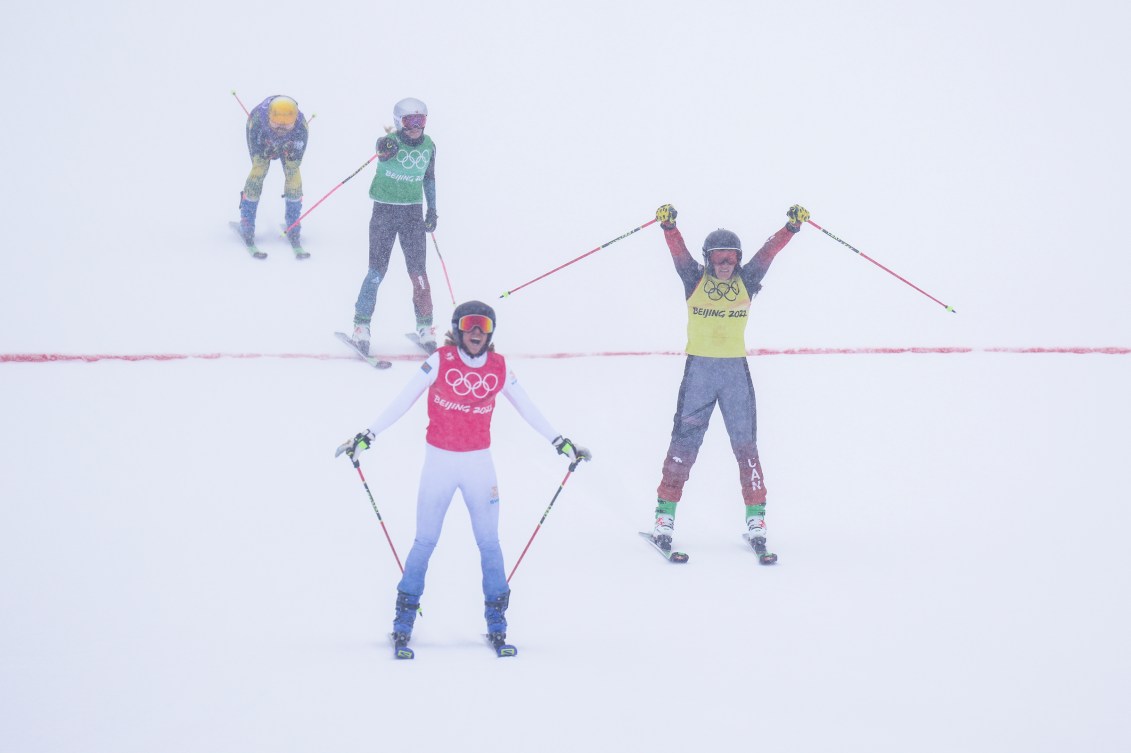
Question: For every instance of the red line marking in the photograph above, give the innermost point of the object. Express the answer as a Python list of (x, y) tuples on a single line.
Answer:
[(94, 357)]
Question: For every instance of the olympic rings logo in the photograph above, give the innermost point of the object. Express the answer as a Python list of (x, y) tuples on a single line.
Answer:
[(719, 290), (471, 383), (414, 160)]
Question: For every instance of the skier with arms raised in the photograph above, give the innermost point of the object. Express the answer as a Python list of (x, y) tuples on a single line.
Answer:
[(718, 293)]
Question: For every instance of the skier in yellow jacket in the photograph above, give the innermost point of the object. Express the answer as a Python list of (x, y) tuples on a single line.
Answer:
[(719, 293)]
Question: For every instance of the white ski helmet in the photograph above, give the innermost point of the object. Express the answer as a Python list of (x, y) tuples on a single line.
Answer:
[(409, 106)]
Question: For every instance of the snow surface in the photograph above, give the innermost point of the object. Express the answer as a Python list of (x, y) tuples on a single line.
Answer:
[(184, 566)]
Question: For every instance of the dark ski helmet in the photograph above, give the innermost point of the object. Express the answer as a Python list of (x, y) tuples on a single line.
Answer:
[(472, 308), (721, 239)]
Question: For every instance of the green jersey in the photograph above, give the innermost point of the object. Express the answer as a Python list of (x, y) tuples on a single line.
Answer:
[(400, 179)]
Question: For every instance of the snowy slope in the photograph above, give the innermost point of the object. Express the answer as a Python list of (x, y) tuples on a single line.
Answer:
[(184, 566)]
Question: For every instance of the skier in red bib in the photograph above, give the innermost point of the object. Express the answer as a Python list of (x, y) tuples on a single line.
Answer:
[(719, 293), (463, 378)]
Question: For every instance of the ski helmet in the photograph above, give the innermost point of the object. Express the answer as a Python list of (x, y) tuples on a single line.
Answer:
[(408, 107), (282, 112), (472, 308), (718, 240)]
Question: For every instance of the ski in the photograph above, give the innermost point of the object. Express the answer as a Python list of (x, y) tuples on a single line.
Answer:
[(376, 363), (251, 249), (502, 648), (300, 254), (400, 648), (676, 557), (758, 544), (429, 349)]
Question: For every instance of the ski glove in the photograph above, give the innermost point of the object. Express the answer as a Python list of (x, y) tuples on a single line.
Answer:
[(387, 148), (798, 216), (430, 220), (666, 216), (574, 452), (354, 447)]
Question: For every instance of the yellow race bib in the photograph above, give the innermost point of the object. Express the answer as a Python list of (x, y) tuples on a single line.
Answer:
[(716, 318)]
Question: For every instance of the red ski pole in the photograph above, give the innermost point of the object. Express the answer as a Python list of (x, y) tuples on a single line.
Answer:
[(245, 112), (571, 261), (572, 468), (357, 465), (881, 266), (335, 188)]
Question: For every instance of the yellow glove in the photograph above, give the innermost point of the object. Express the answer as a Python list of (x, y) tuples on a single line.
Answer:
[(666, 216), (798, 216)]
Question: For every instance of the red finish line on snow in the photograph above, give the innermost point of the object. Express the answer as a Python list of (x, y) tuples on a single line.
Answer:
[(96, 357)]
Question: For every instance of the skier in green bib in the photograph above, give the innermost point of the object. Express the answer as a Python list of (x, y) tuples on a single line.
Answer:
[(719, 293), (406, 176)]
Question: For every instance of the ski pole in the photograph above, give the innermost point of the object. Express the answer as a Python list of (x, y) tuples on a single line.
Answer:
[(335, 188), (571, 261), (572, 468), (445, 268), (881, 266), (357, 465), (245, 112)]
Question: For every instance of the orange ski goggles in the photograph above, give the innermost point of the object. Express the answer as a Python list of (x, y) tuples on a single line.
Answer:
[(471, 321)]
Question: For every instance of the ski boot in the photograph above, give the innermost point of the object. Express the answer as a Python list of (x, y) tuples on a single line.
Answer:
[(293, 212), (426, 336), (361, 337), (400, 646), (407, 606), (248, 210), (495, 613), (756, 534), (498, 642), (664, 529)]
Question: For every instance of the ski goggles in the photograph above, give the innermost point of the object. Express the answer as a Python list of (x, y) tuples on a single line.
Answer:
[(471, 321), (411, 122), (724, 256)]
